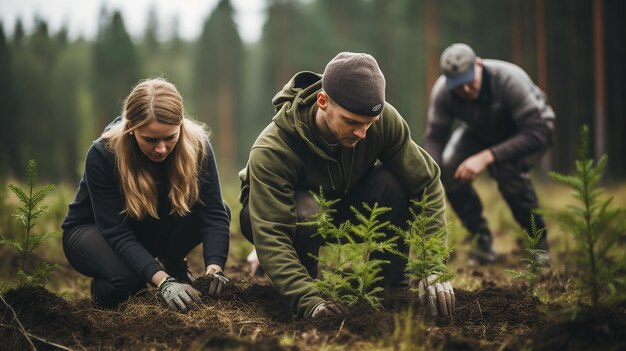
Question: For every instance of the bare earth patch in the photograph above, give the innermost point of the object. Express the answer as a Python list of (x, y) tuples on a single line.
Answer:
[(252, 317)]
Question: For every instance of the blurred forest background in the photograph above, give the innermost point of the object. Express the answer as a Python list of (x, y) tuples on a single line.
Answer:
[(57, 94)]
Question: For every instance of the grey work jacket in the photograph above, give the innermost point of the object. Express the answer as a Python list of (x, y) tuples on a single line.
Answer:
[(511, 114)]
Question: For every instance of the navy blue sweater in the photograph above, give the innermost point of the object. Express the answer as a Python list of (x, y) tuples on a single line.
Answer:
[(99, 200)]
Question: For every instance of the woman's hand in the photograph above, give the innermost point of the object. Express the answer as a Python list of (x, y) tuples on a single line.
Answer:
[(218, 280), (179, 296)]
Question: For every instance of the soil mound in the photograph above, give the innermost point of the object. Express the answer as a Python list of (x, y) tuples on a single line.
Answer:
[(252, 317)]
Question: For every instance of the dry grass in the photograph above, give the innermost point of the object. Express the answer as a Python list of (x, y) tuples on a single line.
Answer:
[(250, 319)]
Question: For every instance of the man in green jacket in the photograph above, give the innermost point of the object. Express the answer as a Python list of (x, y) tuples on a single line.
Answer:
[(333, 131)]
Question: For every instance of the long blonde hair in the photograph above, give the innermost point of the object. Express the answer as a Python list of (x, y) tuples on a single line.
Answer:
[(157, 100)]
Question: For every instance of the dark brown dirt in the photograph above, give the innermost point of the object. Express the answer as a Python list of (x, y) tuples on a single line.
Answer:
[(252, 317), (588, 330), (142, 323)]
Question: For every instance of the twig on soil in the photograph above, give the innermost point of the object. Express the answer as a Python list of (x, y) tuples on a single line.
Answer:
[(339, 331), (77, 342), (30, 335), (50, 342), (255, 333), (19, 323), (480, 310), (248, 322)]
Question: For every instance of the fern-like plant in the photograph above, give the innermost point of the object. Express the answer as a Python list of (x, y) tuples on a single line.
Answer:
[(350, 275), (535, 262), (597, 228), (27, 214), (332, 282), (368, 236), (429, 250)]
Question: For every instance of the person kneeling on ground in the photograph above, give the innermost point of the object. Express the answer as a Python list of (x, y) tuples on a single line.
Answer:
[(149, 194), (506, 127), (333, 131)]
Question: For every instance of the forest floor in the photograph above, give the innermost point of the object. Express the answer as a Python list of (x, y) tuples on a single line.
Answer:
[(498, 314), (493, 311)]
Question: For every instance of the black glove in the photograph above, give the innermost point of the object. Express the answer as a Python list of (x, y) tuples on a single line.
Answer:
[(218, 280), (179, 296), (328, 308)]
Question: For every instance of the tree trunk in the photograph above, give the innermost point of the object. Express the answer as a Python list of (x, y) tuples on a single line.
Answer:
[(432, 51), (599, 91), (542, 75), (516, 30), (226, 116), (542, 72)]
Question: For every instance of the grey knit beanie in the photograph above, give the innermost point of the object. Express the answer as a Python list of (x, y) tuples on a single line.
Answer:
[(356, 83)]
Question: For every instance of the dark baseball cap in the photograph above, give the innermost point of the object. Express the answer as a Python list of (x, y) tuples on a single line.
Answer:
[(457, 64)]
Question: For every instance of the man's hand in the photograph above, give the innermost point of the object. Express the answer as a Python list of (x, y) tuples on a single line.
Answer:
[(218, 280), (328, 308), (469, 169), (438, 296), (179, 296)]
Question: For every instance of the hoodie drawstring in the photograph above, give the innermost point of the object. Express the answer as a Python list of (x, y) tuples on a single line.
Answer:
[(350, 172), (330, 175), (347, 184)]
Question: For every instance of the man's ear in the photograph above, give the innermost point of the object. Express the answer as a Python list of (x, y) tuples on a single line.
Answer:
[(322, 100)]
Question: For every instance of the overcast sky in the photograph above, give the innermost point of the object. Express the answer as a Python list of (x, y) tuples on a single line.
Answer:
[(81, 16)]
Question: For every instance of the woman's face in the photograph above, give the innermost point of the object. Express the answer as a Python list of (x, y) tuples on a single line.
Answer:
[(157, 140)]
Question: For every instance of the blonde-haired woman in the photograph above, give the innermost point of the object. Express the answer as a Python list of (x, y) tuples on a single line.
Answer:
[(150, 193)]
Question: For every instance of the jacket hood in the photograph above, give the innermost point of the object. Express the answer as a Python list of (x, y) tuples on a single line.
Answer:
[(295, 105)]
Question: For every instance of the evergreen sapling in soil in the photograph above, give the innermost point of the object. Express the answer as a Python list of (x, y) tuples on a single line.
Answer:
[(332, 282), (368, 237), (535, 262), (27, 214), (350, 275), (429, 250), (597, 229)]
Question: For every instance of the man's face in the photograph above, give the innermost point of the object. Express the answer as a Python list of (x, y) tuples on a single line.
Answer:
[(346, 127), (471, 90)]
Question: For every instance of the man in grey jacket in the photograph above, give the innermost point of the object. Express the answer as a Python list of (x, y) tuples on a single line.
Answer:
[(505, 127)]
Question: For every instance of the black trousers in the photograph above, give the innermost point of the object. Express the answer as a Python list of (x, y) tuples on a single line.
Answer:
[(513, 183), (378, 185), (113, 281)]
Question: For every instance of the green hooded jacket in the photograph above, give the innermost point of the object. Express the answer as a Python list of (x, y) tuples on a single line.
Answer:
[(286, 157)]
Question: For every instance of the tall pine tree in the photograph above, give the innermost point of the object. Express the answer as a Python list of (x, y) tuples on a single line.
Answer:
[(8, 116), (116, 67), (34, 57), (218, 63)]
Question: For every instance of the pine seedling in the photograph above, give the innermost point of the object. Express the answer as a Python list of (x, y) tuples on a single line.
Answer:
[(351, 275), (535, 263), (323, 219), (333, 282), (596, 227), (368, 237), (427, 241), (27, 214)]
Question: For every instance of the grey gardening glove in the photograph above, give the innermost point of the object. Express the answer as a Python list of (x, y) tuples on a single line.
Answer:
[(328, 308), (438, 296), (218, 281), (179, 296)]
